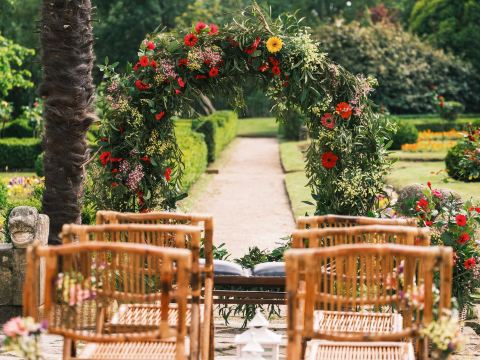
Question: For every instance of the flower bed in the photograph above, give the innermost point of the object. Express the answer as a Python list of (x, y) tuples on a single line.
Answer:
[(429, 146)]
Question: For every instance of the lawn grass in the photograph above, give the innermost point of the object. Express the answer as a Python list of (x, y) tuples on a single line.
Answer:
[(418, 156), (257, 127), (298, 191), (411, 172), (426, 118), (291, 155)]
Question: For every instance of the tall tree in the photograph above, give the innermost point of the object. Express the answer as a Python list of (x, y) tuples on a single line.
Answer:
[(68, 90)]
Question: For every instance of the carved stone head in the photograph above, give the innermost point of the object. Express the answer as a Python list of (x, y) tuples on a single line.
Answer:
[(23, 224)]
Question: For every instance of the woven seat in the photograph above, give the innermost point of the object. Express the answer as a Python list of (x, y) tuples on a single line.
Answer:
[(160, 350), (329, 350), (357, 322)]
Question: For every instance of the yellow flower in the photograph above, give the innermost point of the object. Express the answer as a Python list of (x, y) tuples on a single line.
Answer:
[(274, 44)]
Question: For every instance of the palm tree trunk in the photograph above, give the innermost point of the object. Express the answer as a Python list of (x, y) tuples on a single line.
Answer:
[(68, 90)]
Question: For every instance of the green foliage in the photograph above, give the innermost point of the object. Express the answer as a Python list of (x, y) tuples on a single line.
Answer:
[(18, 129), (11, 73), (406, 133), (39, 165), (3, 197), (19, 153), (290, 126), (408, 70), (451, 109), (463, 160), (451, 25), (194, 155), (219, 129)]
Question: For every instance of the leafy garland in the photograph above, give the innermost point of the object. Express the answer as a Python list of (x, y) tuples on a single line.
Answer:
[(140, 160)]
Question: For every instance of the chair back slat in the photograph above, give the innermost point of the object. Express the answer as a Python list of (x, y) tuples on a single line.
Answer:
[(368, 278), (343, 221)]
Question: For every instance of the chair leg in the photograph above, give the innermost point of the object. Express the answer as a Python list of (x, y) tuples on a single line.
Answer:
[(67, 349), (211, 353)]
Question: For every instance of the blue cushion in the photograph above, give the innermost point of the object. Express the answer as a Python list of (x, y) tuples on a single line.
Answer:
[(269, 269)]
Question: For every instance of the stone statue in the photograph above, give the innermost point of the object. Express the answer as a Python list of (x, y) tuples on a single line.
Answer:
[(26, 225)]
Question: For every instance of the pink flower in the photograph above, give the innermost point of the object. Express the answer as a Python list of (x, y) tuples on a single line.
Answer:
[(328, 121), (213, 29), (200, 26), (181, 82), (15, 327)]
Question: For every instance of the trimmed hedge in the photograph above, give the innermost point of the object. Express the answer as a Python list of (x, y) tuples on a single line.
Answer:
[(406, 133), (219, 128), (18, 129), (19, 153), (194, 149)]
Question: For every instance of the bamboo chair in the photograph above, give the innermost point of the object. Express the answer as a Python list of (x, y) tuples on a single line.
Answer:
[(174, 218), (139, 316), (84, 282), (381, 279), (342, 221)]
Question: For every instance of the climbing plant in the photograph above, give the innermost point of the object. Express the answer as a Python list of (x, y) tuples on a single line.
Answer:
[(139, 157)]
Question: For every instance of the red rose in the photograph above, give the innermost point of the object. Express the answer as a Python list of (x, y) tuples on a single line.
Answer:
[(461, 220), (168, 172), (344, 110), (263, 67), (200, 77), (213, 72), (273, 61), (422, 205), (200, 26), (190, 39), (213, 29), (144, 61), (328, 121), (181, 82), (160, 115), (469, 263), (153, 64), (105, 157), (463, 238), (150, 45), (276, 70), (183, 62), (329, 160)]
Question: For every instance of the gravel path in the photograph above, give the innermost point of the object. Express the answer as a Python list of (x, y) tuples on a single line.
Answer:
[(248, 198)]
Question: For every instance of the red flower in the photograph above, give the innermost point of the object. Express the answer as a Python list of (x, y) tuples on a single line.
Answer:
[(274, 61), (150, 45), (200, 77), (115, 160), (153, 63), (429, 223), (329, 160), (136, 66), (213, 72), (183, 62), (114, 184), (429, 184), (114, 171), (463, 238), (344, 110), (461, 220), (145, 210), (141, 200), (144, 61), (251, 49), (190, 39), (469, 263), (213, 29), (276, 70), (328, 121), (105, 157), (140, 85), (181, 82), (177, 91), (422, 205), (160, 115), (168, 172), (104, 139), (146, 158), (263, 67), (200, 26)]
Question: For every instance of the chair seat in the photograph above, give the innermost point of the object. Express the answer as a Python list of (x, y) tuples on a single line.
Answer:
[(336, 350), (159, 350), (356, 322)]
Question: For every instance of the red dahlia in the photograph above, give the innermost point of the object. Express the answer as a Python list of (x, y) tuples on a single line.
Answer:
[(469, 263), (144, 61), (461, 220), (344, 110), (213, 72), (105, 157), (190, 39), (213, 29), (329, 160), (328, 121), (463, 238)]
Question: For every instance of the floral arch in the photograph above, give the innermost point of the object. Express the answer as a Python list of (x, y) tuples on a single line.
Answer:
[(140, 161)]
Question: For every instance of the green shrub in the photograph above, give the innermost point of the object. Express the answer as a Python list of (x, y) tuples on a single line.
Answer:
[(18, 129), (290, 127), (452, 160), (19, 153), (219, 128), (463, 160), (39, 165), (3, 197), (451, 109), (409, 71), (194, 149), (406, 133)]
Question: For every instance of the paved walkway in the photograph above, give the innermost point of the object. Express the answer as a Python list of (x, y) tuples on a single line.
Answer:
[(248, 198)]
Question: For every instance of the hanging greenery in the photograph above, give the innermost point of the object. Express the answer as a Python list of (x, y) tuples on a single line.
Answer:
[(140, 160)]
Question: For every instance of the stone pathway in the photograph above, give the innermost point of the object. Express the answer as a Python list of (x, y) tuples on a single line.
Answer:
[(248, 198)]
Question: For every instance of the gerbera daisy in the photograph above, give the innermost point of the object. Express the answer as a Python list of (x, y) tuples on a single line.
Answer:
[(328, 121), (144, 61), (329, 160), (213, 72), (274, 44), (190, 39), (344, 110)]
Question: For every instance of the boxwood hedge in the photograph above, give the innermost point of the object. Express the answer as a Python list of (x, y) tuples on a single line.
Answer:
[(19, 153)]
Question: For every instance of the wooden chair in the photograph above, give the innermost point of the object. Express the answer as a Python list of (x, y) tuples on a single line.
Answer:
[(137, 316), (86, 282), (174, 218), (376, 279), (342, 221)]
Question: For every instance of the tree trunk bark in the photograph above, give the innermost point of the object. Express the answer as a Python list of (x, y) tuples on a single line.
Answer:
[(68, 90)]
